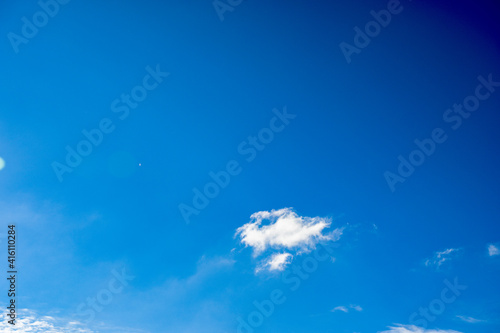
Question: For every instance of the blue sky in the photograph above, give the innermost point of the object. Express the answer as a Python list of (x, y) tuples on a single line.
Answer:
[(236, 154)]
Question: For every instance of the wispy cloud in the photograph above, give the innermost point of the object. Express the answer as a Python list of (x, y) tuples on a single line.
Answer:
[(284, 230), (415, 329), (340, 308), (493, 250), (201, 294), (51, 265), (346, 309), (30, 321), (471, 320), (440, 257), (356, 307), (276, 262)]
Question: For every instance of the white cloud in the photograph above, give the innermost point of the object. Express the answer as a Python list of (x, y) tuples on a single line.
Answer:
[(356, 307), (440, 257), (340, 308), (284, 230), (415, 329), (470, 320), (276, 262), (346, 309), (493, 250), (29, 321)]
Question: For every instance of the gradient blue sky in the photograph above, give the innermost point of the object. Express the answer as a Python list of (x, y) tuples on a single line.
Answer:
[(120, 207)]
